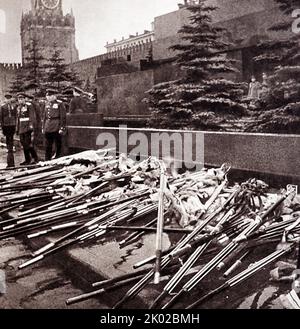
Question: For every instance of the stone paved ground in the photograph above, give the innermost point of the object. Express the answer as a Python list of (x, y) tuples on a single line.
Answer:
[(44, 286), (3, 154)]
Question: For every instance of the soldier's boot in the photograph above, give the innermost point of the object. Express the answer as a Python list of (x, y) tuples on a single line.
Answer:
[(10, 151), (58, 147), (34, 156), (27, 158), (10, 159), (48, 154)]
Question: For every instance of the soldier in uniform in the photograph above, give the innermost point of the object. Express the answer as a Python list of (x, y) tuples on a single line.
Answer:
[(26, 126), (53, 123), (77, 104), (37, 110), (8, 121)]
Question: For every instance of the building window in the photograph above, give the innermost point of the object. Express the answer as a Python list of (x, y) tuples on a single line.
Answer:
[(128, 58)]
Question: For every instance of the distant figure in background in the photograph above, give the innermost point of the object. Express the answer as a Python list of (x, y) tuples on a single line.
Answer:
[(8, 121), (254, 89), (65, 100), (78, 104), (53, 123), (95, 96), (265, 79), (26, 127), (265, 89)]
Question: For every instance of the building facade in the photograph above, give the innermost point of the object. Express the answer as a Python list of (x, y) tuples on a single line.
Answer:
[(132, 41), (121, 93), (144, 60)]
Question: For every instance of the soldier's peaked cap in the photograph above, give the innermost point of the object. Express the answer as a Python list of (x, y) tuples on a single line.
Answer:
[(21, 95), (51, 91), (8, 95)]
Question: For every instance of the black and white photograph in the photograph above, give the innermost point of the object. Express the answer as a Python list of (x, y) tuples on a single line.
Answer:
[(149, 158)]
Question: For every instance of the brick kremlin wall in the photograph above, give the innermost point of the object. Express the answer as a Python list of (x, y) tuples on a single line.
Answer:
[(7, 74)]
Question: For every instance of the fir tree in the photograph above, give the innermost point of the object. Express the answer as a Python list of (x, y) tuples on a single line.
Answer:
[(88, 85), (203, 98), (280, 57), (58, 73), (19, 82), (34, 69), (32, 72)]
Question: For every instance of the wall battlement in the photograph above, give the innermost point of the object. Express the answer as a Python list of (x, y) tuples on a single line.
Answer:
[(10, 66), (87, 68), (30, 20), (8, 72), (136, 51)]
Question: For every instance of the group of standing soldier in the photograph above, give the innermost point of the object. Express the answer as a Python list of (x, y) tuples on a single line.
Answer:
[(27, 118)]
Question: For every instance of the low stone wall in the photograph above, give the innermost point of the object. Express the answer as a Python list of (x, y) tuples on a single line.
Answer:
[(272, 157), (85, 119)]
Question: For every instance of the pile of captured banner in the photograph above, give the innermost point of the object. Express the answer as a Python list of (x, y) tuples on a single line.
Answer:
[(87, 197)]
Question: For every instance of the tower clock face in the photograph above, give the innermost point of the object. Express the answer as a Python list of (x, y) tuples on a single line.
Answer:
[(50, 4)]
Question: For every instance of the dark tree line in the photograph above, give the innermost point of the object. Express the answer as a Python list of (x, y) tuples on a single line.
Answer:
[(40, 73), (205, 97)]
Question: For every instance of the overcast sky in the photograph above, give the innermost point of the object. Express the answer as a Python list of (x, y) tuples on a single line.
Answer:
[(97, 21)]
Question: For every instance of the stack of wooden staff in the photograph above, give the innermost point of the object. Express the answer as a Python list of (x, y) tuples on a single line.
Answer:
[(93, 194)]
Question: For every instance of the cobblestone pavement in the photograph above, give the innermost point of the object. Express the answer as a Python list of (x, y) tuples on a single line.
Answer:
[(47, 286), (39, 287), (3, 154)]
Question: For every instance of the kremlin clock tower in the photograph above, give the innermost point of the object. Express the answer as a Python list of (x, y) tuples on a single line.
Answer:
[(49, 27)]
